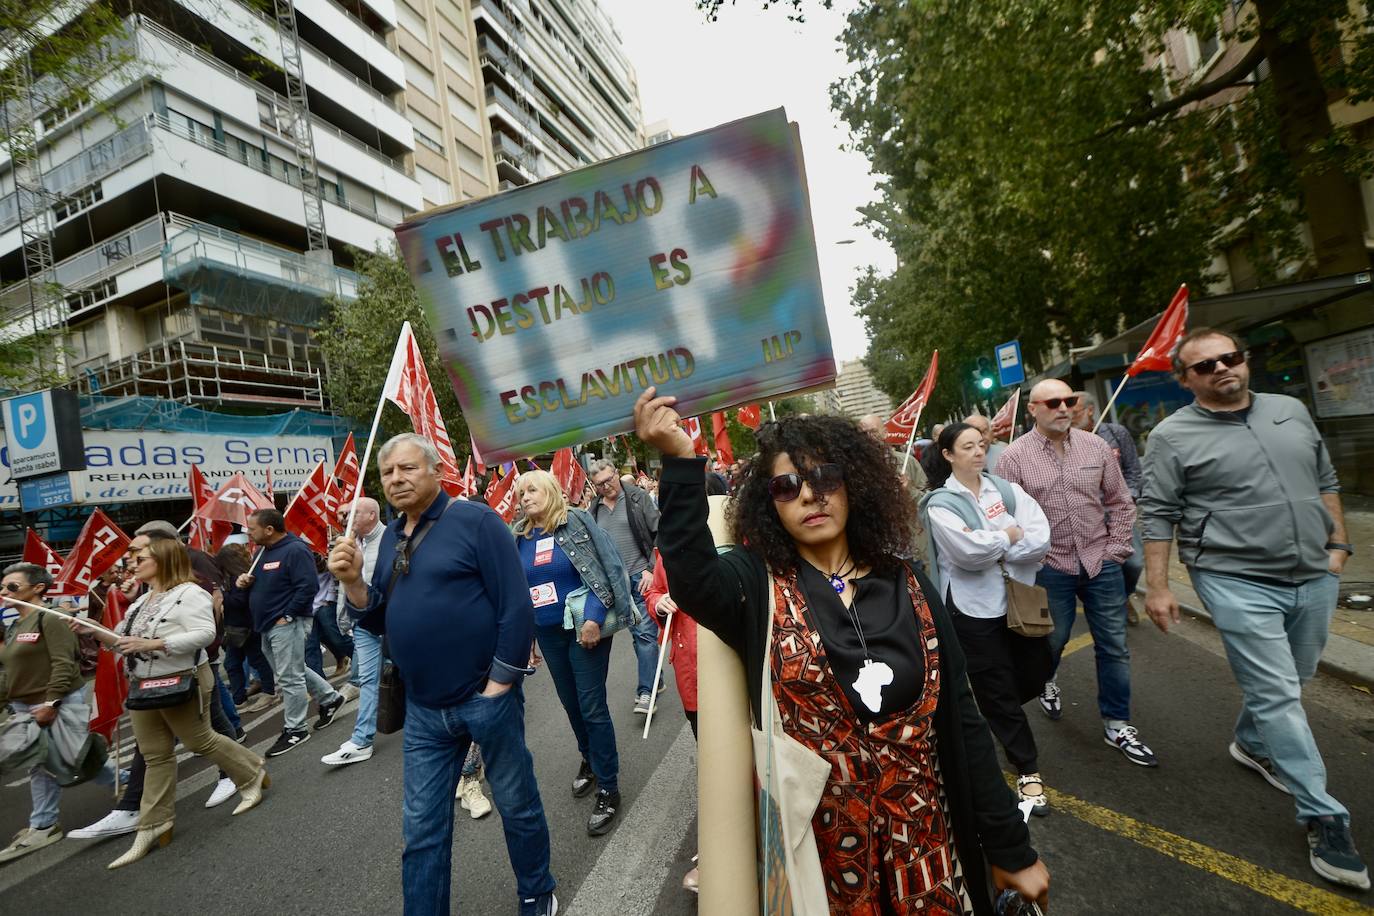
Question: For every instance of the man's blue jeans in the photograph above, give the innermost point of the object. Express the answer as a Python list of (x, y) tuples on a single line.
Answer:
[(579, 676), (645, 635), (326, 631), (1274, 636), (367, 662), (1104, 606), (436, 743)]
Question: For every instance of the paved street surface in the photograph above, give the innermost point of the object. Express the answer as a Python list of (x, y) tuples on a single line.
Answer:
[(1199, 835)]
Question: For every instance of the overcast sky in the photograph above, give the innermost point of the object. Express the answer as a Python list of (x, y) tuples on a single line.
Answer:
[(698, 74)]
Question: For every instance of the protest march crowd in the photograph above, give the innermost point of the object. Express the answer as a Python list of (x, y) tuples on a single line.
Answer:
[(895, 605)]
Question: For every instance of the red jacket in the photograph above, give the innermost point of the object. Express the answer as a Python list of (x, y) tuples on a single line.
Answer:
[(683, 651)]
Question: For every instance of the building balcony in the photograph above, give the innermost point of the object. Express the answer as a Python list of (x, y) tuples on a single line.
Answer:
[(198, 373), (225, 270)]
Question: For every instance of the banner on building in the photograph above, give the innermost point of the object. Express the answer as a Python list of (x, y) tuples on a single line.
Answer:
[(690, 265)]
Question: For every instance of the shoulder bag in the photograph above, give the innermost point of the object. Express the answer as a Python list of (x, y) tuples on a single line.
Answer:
[(391, 688), (791, 780), (160, 691)]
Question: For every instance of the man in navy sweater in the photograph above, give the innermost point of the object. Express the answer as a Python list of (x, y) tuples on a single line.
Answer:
[(449, 591), (281, 597)]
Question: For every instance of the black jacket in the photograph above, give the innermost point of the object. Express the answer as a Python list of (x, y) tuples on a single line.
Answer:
[(643, 519), (728, 594)]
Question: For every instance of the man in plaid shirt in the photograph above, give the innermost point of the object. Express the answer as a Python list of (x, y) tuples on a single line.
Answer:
[(1076, 479)]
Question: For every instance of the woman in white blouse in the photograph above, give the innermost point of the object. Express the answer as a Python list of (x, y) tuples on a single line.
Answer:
[(978, 526), (165, 633)]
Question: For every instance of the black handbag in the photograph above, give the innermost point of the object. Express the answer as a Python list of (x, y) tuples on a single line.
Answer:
[(391, 700), (237, 637), (162, 690)]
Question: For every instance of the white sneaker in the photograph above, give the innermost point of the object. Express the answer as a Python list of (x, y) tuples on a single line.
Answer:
[(224, 790), (471, 799), (347, 753), (116, 823)]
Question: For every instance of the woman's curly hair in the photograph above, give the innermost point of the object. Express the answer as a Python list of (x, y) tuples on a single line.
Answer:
[(881, 515)]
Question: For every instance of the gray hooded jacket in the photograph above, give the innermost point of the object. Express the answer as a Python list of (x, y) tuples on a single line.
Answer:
[(1245, 495)]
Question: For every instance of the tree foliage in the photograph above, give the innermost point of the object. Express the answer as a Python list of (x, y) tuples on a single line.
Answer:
[(358, 338), (1044, 180)]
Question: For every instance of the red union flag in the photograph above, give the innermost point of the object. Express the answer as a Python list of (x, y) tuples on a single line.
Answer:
[(1157, 354), (693, 427), (205, 535), (469, 480), (500, 496), (750, 416), (234, 502), (99, 547), (1005, 419), (407, 386), (111, 686), (902, 423), (348, 473), (314, 509), (567, 470), (37, 551), (724, 450)]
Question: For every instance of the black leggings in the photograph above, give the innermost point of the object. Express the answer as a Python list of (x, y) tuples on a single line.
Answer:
[(1005, 670)]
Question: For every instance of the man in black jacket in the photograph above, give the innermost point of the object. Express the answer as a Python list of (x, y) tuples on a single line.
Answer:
[(630, 517)]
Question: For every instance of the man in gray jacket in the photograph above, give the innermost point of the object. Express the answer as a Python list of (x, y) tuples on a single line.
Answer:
[(1247, 481)]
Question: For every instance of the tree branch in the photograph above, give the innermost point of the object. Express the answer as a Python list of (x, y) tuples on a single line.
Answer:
[(1232, 77)]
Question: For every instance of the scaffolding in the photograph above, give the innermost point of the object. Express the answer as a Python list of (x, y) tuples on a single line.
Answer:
[(298, 128)]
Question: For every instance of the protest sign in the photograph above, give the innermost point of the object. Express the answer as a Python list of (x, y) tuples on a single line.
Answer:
[(690, 265)]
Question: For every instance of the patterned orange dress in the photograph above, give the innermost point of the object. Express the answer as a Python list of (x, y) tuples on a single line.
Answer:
[(882, 825)]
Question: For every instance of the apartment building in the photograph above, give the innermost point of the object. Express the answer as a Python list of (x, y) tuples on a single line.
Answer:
[(855, 394), (174, 205), (559, 91)]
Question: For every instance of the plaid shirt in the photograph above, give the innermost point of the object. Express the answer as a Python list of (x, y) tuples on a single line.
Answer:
[(1083, 494)]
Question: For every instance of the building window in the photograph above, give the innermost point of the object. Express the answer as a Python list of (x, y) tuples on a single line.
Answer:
[(89, 341), (436, 190), (413, 21), (464, 112), (417, 74), (77, 201), (456, 59)]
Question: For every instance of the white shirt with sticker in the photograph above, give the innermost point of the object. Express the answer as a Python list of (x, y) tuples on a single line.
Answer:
[(543, 595)]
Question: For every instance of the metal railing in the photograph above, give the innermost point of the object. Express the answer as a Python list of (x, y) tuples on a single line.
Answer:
[(189, 239), (317, 123)]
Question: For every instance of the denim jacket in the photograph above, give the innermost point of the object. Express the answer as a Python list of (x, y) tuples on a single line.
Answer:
[(593, 552)]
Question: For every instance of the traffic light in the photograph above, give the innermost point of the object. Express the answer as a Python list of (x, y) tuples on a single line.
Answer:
[(985, 376)]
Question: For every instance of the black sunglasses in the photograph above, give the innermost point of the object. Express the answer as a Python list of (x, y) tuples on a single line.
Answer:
[(1053, 403), (400, 565), (1209, 366), (13, 587), (824, 479)]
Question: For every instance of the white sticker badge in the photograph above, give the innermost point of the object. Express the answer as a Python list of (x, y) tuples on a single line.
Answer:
[(543, 595)]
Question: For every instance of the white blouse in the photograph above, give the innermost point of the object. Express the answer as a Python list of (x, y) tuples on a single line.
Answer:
[(183, 616), (969, 557)]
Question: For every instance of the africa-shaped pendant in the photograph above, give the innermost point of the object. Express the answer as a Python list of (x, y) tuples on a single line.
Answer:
[(873, 677)]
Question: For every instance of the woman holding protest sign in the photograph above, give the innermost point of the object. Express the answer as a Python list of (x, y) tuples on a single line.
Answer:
[(982, 528), (865, 728), (581, 596)]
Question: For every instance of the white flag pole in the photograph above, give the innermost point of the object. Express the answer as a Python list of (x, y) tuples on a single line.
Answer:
[(185, 523), (81, 620), (658, 672), (1103, 415), (911, 440), (392, 373), (771, 415)]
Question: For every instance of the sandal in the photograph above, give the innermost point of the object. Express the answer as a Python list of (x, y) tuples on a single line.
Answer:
[(1039, 799)]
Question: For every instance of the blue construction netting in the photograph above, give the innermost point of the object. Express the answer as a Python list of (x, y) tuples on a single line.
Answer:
[(136, 412)]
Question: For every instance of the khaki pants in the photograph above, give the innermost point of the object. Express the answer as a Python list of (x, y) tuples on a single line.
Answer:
[(156, 731)]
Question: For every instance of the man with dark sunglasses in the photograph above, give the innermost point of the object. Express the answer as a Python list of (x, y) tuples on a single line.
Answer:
[(1077, 481), (1247, 481)]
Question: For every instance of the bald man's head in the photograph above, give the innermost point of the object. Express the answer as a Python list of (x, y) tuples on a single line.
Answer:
[(366, 518), (874, 425), (982, 424), (1049, 405)]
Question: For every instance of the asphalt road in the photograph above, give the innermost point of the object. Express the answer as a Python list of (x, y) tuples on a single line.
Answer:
[(1198, 835)]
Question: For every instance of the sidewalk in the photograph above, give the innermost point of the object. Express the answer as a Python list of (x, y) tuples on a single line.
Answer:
[(1349, 651)]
